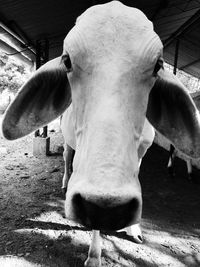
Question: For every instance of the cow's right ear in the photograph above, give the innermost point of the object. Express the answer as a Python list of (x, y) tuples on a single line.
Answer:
[(43, 98), (173, 113)]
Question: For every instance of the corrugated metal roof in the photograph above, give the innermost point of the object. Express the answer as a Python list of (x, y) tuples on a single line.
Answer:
[(52, 19)]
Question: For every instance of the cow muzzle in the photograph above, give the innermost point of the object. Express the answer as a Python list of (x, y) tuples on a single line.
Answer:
[(100, 210)]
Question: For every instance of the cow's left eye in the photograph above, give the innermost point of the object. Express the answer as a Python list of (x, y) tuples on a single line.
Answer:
[(67, 62), (158, 66)]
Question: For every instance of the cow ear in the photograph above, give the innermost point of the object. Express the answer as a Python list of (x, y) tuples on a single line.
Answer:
[(43, 98), (173, 113)]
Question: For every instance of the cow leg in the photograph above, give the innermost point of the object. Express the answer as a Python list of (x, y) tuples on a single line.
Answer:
[(94, 254), (170, 164), (68, 156)]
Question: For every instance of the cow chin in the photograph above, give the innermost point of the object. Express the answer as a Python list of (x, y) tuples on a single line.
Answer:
[(100, 210)]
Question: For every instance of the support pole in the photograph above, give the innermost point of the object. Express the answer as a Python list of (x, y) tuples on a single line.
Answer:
[(46, 58), (176, 56), (38, 65), (41, 142)]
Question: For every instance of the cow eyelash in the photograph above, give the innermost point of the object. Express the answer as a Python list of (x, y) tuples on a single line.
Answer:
[(158, 66), (67, 62)]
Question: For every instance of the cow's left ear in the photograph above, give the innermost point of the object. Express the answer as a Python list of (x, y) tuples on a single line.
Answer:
[(173, 113), (43, 98)]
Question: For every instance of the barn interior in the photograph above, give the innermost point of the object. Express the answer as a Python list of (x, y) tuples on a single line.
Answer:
[(34, 231)]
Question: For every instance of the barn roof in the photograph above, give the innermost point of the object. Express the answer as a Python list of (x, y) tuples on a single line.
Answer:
[(25, 22)]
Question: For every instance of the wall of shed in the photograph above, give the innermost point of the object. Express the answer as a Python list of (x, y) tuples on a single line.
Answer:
[(165, 143)]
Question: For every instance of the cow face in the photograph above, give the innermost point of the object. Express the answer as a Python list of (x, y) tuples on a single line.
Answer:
[(112, 70), (110, 56)]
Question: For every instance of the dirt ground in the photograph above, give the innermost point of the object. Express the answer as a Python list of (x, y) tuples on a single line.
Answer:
[(34, 231)]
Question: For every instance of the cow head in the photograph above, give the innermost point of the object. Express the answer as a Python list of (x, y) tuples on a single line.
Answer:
[(112, 71)]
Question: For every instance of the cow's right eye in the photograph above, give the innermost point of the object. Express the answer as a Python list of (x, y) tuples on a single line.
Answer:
[(67, 62), (158, 66)]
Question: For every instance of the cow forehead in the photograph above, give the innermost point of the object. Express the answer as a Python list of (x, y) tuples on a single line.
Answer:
[(115, 10), (110, 28)]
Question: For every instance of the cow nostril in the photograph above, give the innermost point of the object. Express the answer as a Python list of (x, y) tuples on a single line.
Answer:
[(79, 205), (105, 217), (84, 210), (77, 199), (80, 209)]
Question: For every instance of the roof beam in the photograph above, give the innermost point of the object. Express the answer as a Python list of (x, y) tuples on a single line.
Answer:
[(182, 29), (162, 5), (189, 64), (17, 41), (14, 53)]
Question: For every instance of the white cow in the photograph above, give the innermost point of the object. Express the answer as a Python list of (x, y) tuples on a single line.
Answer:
[(111, 70)]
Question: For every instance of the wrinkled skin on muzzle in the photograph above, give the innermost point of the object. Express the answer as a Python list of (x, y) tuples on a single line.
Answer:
[(110, 82)]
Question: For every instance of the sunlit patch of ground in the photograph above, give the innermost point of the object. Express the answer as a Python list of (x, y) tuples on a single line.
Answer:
[(14, 261)]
